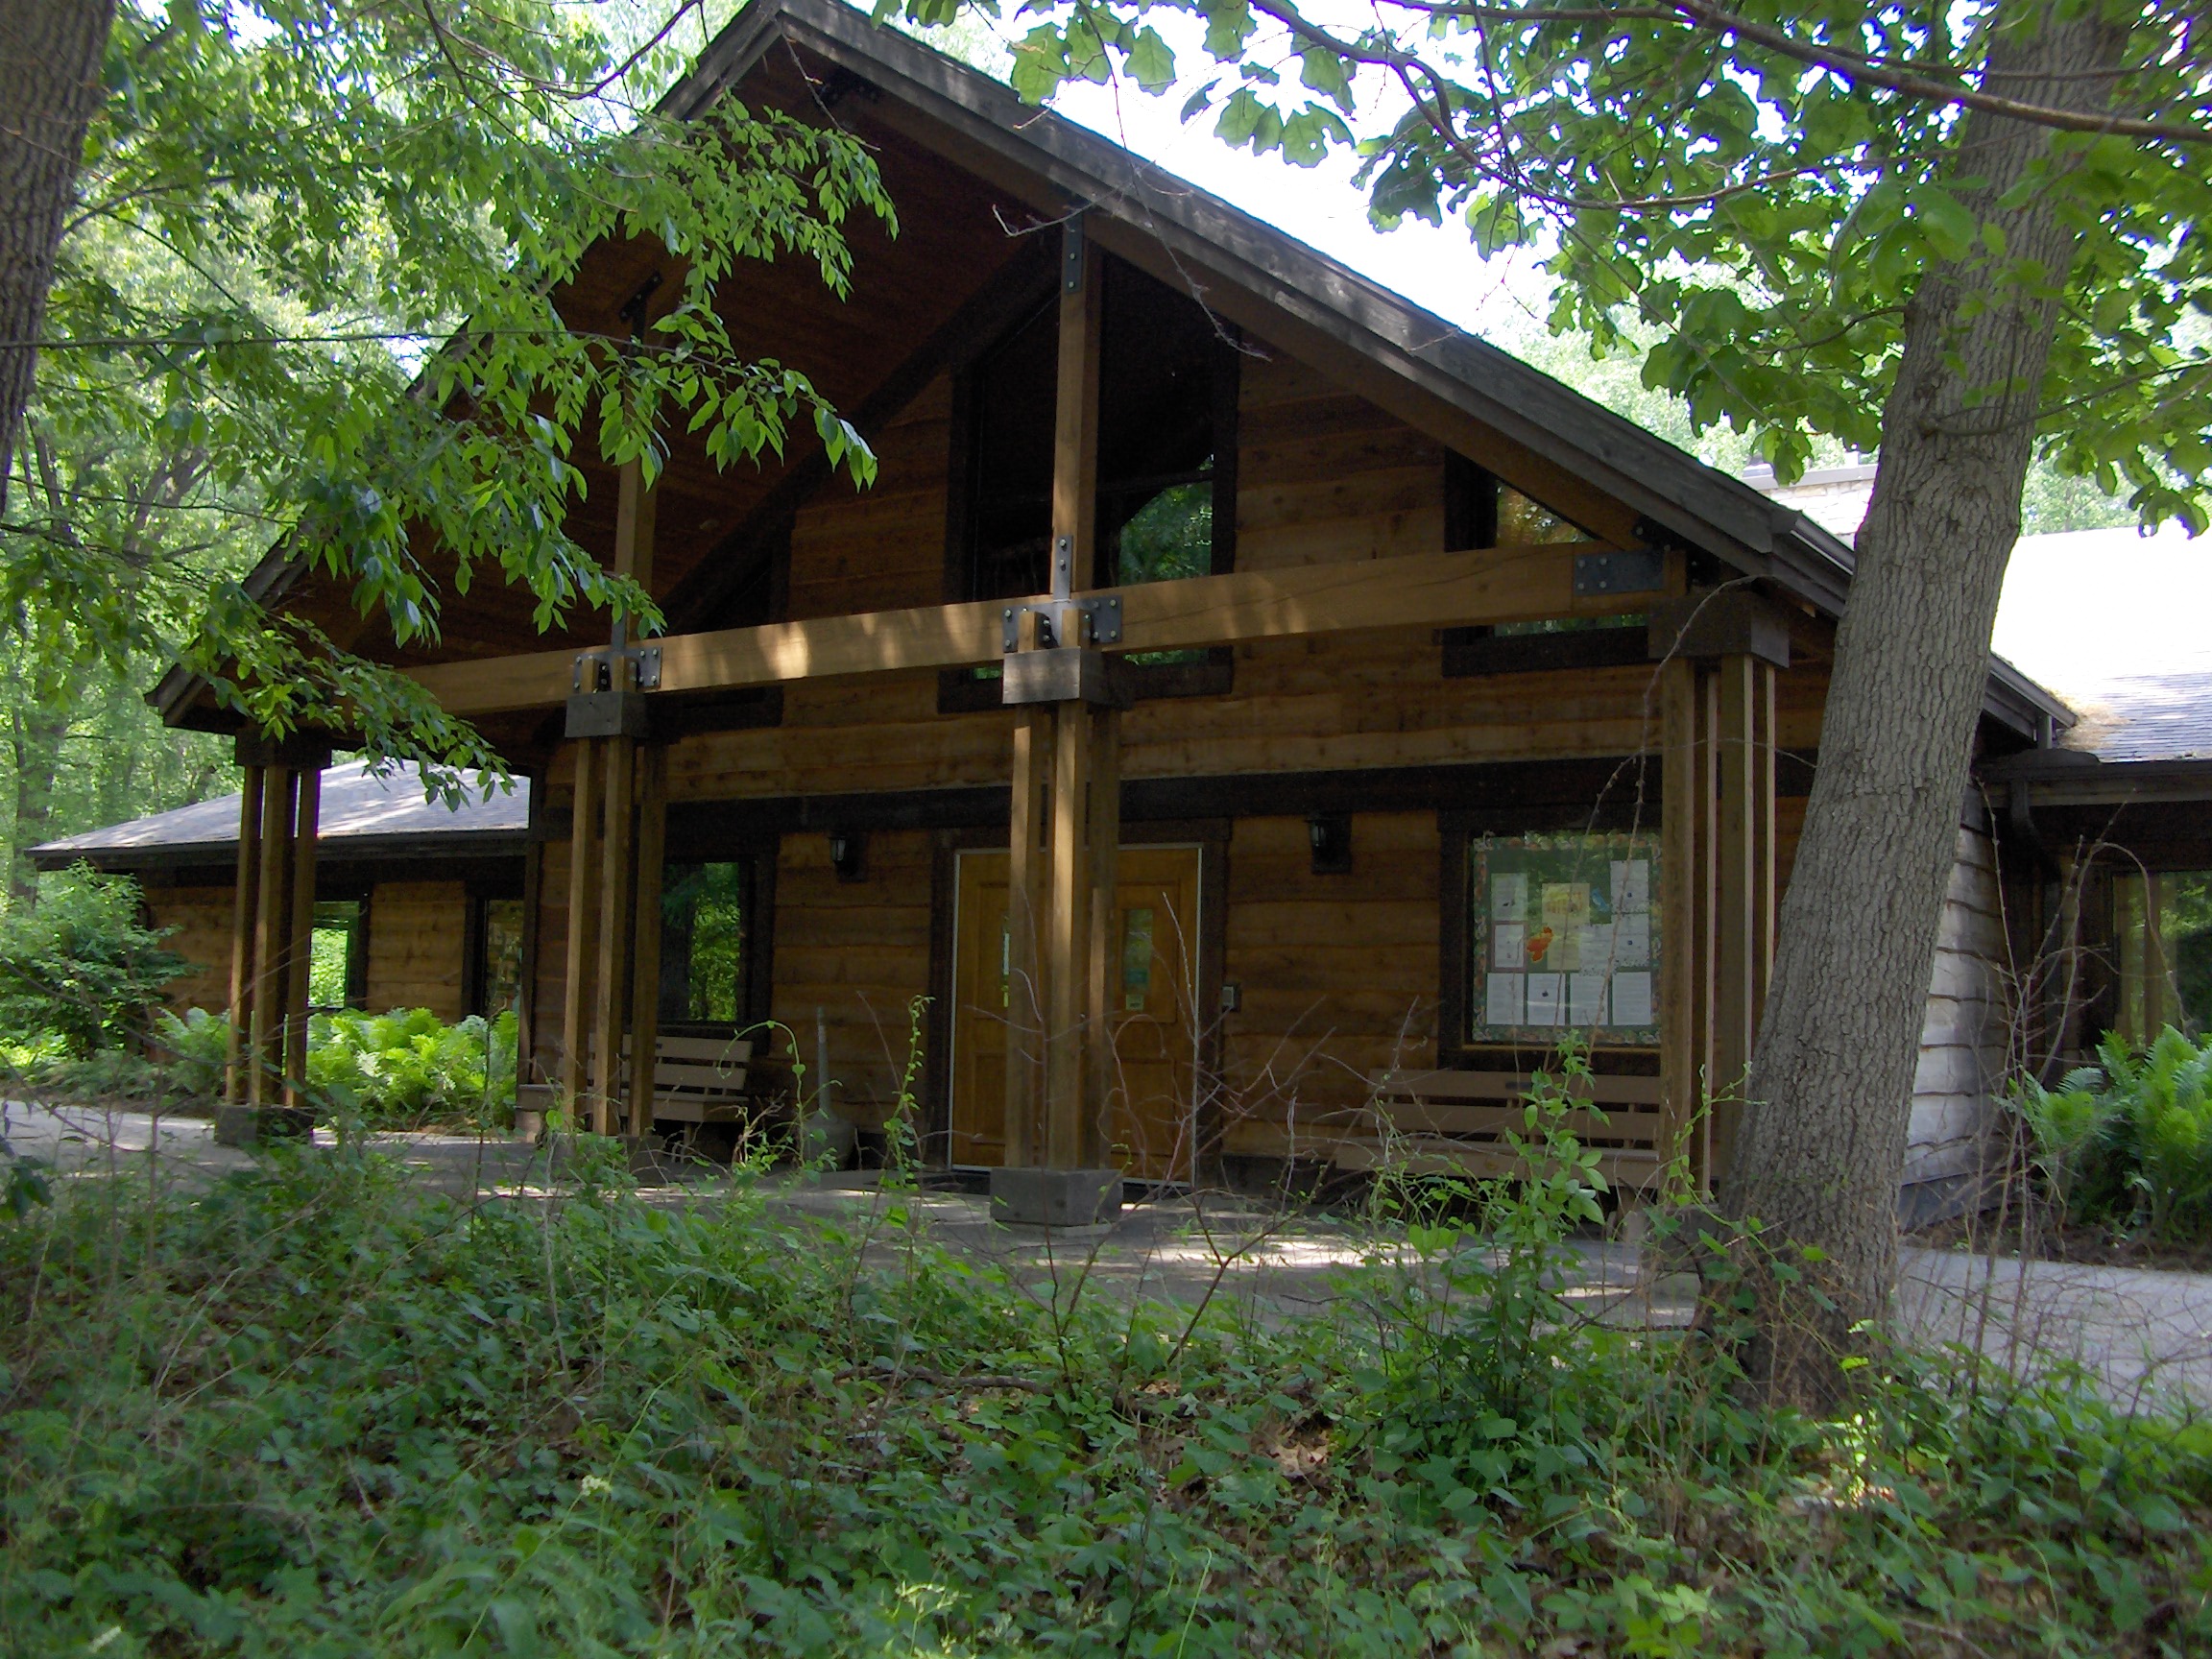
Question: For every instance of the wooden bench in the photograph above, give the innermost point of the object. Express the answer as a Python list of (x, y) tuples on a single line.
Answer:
[(1461, 1123), (697, 1079)]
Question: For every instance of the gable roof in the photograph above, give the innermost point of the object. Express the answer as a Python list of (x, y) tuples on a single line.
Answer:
[(1233, 260), (360, 816)]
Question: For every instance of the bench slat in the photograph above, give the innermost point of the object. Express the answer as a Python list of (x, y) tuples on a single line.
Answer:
[(1420, 1117), (1510, 1086)]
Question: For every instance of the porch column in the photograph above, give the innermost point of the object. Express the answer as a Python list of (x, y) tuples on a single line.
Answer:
[(272, 937), (1065, 822), (246, 909), (307, 804), (1718, 690), (614, 847)]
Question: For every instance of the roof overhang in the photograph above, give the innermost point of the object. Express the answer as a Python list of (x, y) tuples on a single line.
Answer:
[(1141, 206)]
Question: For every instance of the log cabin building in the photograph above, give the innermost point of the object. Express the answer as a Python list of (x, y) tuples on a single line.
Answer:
[(1247, 720)]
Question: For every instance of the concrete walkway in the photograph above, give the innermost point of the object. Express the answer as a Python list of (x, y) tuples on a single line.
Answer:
[(2141, 1336)]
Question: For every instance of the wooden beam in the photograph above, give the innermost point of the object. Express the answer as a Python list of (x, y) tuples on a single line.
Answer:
[(1101, 973), (583, 923), (245, 908), (1420, 590), (1739, 900), (301, 900), (1067, 940), (1679, 1057), (270, 916), (610, 1009), (1027, 995), (645, 947), (634, 507), (1075, 406)]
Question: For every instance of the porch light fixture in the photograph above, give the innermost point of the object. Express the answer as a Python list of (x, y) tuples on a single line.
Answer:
[(848, 854), (1330, 836)]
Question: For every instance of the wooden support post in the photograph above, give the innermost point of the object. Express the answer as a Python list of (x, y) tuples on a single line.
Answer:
[(533, 933), (634, 512), (583, 929), (1704, 980), (1068, 940), (1027, 1000), (245, 910), (1744, 950), (611, 982), (645, 933), (1102, 980), (302, 932), (1766, 898), (1680, 820), (1076, 409), (271, 914)]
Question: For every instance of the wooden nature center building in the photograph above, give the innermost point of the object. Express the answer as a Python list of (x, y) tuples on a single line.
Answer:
[(1248, 720)]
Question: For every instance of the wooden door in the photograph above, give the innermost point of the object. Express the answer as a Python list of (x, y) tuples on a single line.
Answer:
[(1151, 982)]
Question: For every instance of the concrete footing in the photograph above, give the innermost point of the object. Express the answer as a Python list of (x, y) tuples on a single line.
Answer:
[(1055, 1197), (261, 1125)]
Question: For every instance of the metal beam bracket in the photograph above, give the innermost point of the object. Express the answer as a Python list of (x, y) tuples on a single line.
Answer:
[(1056, 615), (1638, 570), (594, 671), (1057, 618)]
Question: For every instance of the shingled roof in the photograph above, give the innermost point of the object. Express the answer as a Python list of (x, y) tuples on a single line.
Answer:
[(361, 815)]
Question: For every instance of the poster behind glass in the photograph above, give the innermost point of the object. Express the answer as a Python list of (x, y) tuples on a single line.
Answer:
[(1564, 937)]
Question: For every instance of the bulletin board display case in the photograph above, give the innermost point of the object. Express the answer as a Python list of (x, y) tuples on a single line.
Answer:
[(1564, 935)]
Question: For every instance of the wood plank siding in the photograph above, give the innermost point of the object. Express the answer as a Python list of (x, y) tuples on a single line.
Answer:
[(1339, 973), (417, 943), (1964, 1040)]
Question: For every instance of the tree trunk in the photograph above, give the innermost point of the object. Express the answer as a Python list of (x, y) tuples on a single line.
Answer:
[(1820, 1152), (35, 741), (50, 84)]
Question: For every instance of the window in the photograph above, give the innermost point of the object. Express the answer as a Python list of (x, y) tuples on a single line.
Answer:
[(2162, 945), (1481, 510), (499, 951), (338, 962), (1167, 464), (706, 943), (1563, 934)]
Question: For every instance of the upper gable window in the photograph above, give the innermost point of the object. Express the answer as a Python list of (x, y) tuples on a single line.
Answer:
[(1481, 510), (1167, 441)]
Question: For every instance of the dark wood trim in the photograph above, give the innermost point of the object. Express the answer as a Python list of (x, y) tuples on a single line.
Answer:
[(172, 865), (1453, 831), (1228, 376), (744, 709), (1508, 797), (760, 938), (1471, 651), (1470, 503), (963, 691)]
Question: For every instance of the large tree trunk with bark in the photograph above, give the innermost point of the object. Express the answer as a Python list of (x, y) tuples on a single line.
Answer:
[(1820, 1156), (50, 85)]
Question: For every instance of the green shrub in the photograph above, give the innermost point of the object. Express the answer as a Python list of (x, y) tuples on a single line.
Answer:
[(2128, 1142), (79, 970), (195, 1049), (310, 1408), (409, 1067)]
